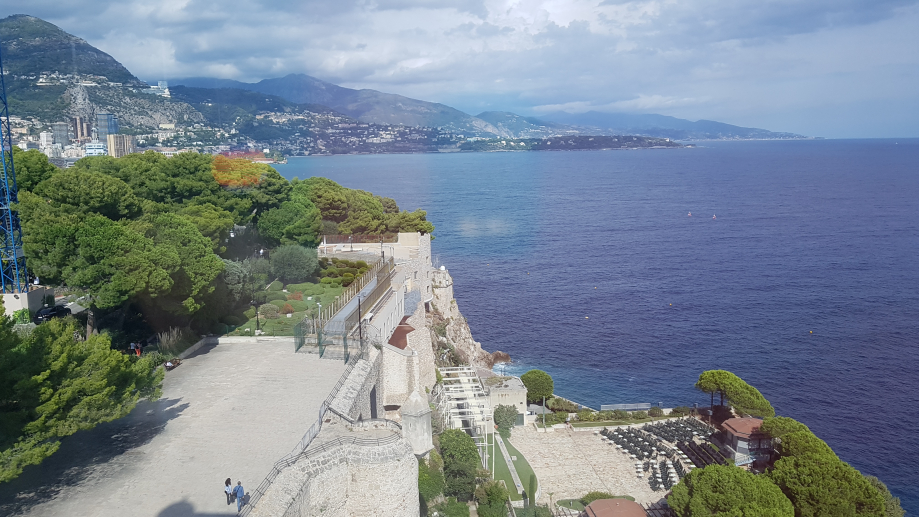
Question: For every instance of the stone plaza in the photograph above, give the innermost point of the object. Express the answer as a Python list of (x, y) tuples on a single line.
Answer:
[(229, 410), (570, 463)]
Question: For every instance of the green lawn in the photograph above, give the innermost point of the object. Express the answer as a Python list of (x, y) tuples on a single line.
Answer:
[(574, 504), (282, 325), (502, 472)]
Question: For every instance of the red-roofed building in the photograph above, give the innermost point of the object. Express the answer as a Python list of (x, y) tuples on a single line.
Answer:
[(745, 441), (614, 508)]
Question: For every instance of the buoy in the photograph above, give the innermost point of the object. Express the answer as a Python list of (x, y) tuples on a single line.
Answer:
[(671, 305), (594, 287), (586, 317), (812, 332)]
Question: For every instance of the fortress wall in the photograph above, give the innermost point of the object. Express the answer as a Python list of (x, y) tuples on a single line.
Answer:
[(352, 477)]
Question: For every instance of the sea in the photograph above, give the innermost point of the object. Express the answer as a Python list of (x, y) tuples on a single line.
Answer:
[(626, 273)]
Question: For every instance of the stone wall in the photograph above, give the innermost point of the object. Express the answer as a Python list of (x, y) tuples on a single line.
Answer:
[(351, 471), (399, 374), (353, 401)]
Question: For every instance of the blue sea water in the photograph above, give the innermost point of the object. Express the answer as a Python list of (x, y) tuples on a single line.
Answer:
[(798, 270)]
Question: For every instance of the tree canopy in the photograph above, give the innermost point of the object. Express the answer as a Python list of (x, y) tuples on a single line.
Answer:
[(505, 417), (822, 485), (744, 398), (54, 385), (292, 263), (728, 490), (461, 461), (539, 384)]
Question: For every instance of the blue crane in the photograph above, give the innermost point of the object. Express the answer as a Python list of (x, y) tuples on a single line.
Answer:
[(13, 275)]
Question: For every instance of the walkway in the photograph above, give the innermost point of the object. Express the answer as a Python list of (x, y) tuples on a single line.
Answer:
[(229, 410), (510, 463)]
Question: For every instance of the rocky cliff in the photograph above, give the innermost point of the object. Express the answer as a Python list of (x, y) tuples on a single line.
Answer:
[(451, 334)]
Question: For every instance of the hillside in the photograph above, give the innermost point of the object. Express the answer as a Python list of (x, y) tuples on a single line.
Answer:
[(53, 75), (594, 122), (517, 126), (368, 106)]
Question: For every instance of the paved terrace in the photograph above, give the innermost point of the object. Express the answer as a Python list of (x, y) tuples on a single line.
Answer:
[(229, 410), (571, 463)]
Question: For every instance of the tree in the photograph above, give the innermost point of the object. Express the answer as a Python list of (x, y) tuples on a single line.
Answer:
[(54, 386), (821, 485), (802, 443), (779, 426), (892, 506), (505, 417), (292, 223), (292, 263), (744, 398), (32, 167), (430, 478), (213, 222), (491, 497), (461, 461), (728, 490), (539, 384), (90, 192)]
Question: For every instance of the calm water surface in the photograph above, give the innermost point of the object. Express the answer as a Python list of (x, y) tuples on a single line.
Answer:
[(587, 265)]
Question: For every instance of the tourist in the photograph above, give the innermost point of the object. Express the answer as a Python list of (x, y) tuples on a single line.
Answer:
[(131, 346), (240, 495), (138, 348), (229, 490)]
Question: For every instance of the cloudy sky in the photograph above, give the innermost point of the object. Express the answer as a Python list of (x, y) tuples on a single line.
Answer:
[(835, 68)]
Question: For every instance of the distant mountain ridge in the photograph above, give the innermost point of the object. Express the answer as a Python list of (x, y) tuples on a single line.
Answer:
[(660, 126), (365, 105)]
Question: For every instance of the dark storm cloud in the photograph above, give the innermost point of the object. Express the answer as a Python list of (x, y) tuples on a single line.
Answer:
[(744, 61)]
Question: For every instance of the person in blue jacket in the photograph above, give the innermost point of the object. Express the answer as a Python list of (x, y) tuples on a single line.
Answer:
[(240, 495)]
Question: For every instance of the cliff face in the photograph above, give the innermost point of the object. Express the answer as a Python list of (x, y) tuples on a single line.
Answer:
[(449, 327)]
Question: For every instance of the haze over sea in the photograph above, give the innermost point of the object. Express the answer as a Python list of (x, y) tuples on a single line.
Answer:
[(587, 265)]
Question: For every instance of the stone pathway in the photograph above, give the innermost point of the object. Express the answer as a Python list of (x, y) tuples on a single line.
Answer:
[(229, 410), (570, 464), (510, 463)]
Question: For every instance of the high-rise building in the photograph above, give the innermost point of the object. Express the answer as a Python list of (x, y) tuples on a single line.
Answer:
[(121, 145), (60, 132), (45, 139), (106, 124), (81, 128)]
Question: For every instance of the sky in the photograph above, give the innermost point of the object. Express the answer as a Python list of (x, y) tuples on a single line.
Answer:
[(832, 68)]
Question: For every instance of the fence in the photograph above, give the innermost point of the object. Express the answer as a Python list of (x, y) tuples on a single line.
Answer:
[(643, 406), (360, 238), (329, 311)]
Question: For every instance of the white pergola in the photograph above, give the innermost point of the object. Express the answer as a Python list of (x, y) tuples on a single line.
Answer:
[(462, 404)]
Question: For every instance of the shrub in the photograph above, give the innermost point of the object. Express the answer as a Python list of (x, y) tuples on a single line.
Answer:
[(681, 410), (23, 316), (452, 508), (539, 384), (275, 286), (275, 296), (639, 414), (236, 321), (586, 415), (490, 497), (590, 497), (620, 414), (360, 264), (656, 411), (326, 280), (249, 313), (605, 415), (268, 310), (295, 296), (287, 309), (292, 263), (298, 306)]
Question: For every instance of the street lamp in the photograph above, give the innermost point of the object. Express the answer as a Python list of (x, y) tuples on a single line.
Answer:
[(351, 242), (257, 324)]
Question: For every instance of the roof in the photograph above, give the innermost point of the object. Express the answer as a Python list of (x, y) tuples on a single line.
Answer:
[(399, 337), (415, 405), (505, 384), (614, 508), (537, 409), (743, 427)]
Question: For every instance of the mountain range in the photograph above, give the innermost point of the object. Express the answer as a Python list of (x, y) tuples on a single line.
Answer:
[(48, 70)]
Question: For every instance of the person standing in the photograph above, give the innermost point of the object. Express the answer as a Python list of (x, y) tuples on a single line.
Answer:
[(138, 348), (228, 488), (240, 495), (131, 346)]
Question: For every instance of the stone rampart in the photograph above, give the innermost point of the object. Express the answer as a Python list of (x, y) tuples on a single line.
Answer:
[(353, 470)]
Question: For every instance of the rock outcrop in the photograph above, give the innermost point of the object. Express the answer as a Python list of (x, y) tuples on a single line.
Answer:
[(450, 330)]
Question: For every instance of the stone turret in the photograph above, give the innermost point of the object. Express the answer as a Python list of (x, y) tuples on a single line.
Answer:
[(416, 424)]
